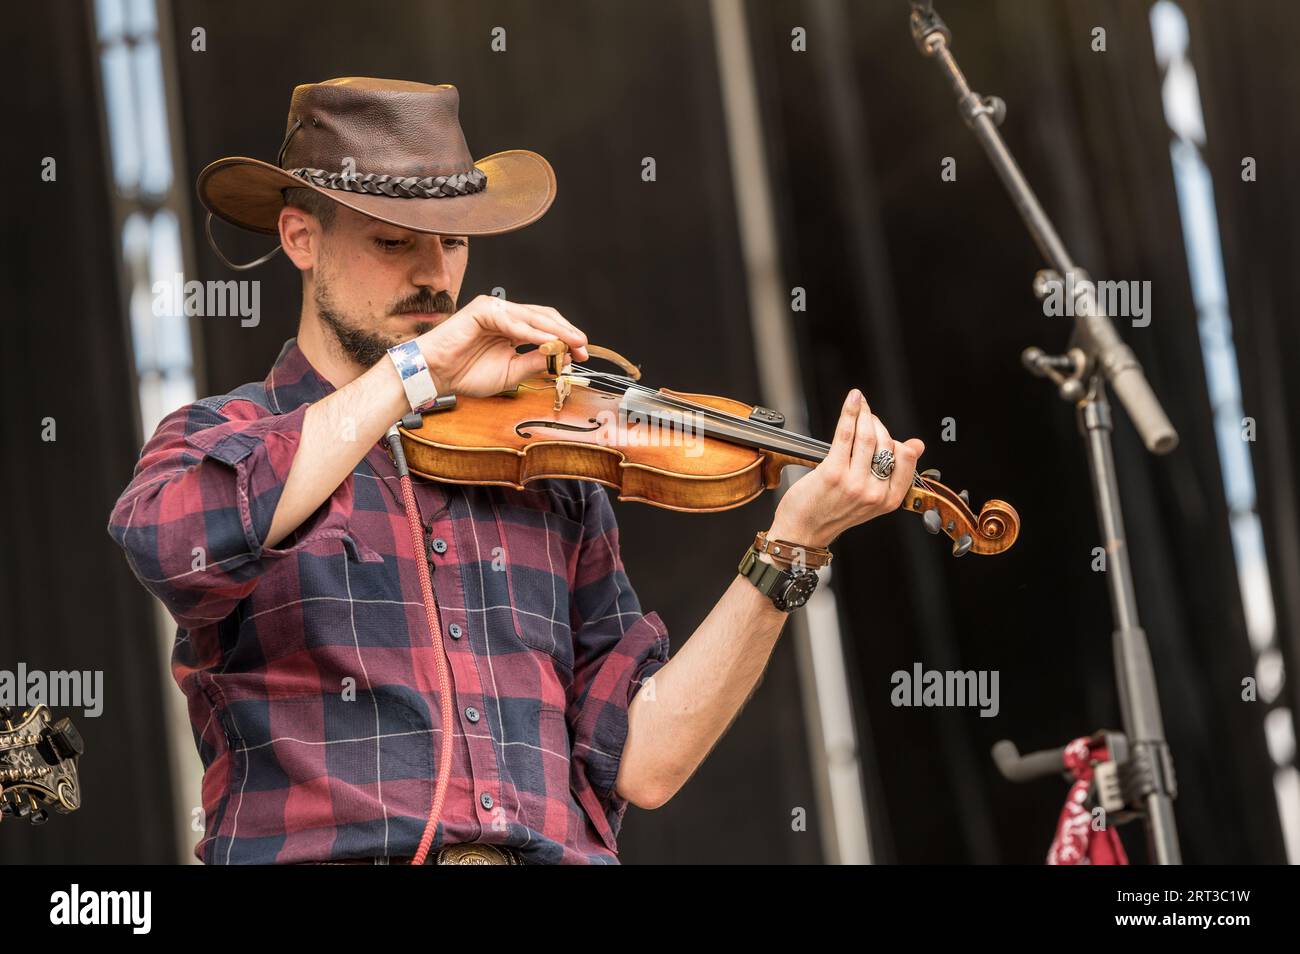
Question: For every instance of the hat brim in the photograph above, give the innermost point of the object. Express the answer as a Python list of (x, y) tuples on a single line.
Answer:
[(520, 188)]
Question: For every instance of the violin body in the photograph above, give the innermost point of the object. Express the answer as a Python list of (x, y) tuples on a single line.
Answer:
[(513, 439)]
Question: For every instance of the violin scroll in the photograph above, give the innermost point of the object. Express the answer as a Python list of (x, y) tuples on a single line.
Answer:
[(993, 530)]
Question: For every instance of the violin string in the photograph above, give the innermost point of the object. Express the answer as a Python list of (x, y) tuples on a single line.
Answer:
[(821, 446), (658, 397), (620, 384), (776, 433), (617, 384)]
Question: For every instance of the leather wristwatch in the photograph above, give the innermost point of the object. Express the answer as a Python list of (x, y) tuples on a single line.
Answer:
[(787, 589)]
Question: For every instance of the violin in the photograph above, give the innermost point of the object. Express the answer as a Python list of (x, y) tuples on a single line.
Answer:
[(681, 451)]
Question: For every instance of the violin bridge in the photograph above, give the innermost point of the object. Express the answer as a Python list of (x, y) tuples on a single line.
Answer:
[(563, 387)]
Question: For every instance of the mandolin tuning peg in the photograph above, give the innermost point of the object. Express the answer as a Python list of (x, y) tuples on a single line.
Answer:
[(933, 522), (931, 474), (965, 497), (962, 546)]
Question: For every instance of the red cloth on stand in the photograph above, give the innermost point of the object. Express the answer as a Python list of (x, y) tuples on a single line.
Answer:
[(1076, 842)]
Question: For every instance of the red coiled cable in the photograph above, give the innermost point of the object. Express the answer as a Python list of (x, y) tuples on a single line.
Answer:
[(440, 654)]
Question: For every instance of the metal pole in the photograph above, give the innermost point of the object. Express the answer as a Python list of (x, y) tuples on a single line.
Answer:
[(1101, 356)]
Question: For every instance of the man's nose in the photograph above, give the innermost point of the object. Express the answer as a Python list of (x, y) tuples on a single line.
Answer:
[(431, 265)]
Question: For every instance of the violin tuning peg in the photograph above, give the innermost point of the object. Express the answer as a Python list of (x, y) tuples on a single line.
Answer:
[(932, 520), (962, 546), (931, 474), (952, 525), (965, 497)]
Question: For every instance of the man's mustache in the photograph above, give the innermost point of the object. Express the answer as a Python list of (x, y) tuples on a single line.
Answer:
[(426, 302)]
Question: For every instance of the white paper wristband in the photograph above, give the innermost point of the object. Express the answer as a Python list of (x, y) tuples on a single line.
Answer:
[(417, 382)]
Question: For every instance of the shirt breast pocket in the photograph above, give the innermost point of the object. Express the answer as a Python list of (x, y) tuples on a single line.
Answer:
[(541, 549)]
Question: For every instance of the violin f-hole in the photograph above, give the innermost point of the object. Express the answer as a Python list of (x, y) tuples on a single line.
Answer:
[(558, 425)]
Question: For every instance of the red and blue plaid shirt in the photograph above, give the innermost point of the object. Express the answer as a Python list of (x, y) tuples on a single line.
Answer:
[(309, 666)]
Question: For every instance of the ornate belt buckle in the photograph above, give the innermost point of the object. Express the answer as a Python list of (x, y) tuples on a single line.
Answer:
[(476, 854)]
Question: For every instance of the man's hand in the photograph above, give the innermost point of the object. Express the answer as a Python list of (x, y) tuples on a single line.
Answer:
[(472, 353), (841, 491)]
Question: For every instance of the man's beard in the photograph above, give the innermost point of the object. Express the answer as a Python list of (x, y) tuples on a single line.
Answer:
[(365, 346)]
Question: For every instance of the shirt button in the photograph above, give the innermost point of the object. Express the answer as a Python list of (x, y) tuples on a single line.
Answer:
[(455, 630), (486, 800), (439, 545), (472, 714)]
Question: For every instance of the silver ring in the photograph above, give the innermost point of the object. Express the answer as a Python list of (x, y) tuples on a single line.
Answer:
[(882, 463)]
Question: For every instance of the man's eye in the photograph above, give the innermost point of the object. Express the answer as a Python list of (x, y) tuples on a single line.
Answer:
[(390, 245), (455, 243)]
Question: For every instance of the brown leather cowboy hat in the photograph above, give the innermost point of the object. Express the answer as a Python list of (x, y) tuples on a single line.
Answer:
[(389, 149)]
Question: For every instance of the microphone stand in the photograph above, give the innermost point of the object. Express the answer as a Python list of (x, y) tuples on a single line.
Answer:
[(1095, 356)]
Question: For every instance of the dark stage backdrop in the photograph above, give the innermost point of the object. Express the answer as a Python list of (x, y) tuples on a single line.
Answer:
[(1241, 92), (921, 290), (70, 601), (918, 291)]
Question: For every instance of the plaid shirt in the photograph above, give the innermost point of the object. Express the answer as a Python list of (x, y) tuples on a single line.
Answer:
[(309, 667)]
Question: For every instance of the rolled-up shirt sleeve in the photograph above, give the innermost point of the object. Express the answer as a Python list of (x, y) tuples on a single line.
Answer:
[(617, 648), (194, 520)]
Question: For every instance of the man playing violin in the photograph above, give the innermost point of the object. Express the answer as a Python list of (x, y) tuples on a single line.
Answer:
[(270, 522)]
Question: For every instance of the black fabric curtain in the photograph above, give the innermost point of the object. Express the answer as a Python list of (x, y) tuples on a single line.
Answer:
[(71, 601), (1249, 99), (920, 292)]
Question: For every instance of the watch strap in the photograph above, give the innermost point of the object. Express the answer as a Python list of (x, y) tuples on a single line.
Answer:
[(768, 577), (787, 553), (773, 581)]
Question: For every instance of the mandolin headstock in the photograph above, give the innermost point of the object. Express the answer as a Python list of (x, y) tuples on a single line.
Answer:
[(993, 530), (38, 764)]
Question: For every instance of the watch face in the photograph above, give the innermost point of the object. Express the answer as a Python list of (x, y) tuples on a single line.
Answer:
[(799, 589)]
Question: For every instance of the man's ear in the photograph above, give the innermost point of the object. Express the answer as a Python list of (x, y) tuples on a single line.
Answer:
[(299, 232)]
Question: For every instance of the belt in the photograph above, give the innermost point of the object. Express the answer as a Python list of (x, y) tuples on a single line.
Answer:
[(469, 854)]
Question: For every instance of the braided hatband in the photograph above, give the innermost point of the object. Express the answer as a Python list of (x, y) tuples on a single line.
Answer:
[(400, 187)]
